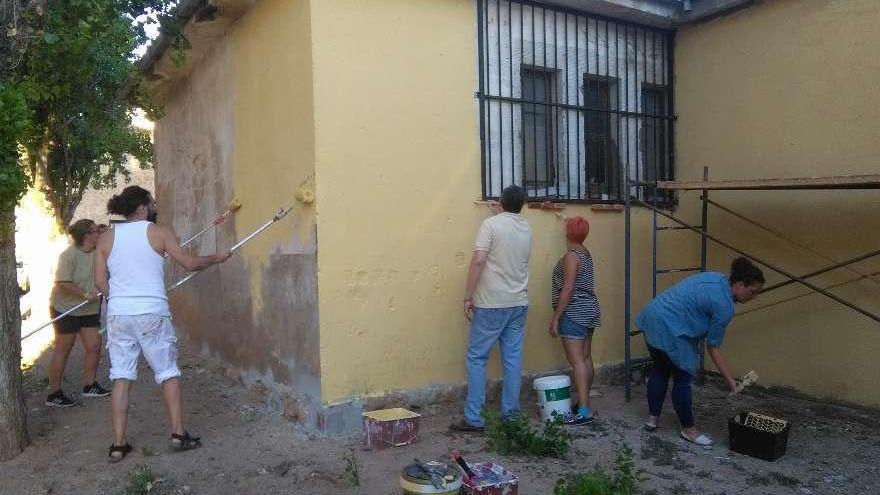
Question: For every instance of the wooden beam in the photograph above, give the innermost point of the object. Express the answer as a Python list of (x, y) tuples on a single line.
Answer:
[(836, 182)]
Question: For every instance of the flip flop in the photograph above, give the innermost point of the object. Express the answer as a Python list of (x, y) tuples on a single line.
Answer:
[(702, 440), (650, 428)]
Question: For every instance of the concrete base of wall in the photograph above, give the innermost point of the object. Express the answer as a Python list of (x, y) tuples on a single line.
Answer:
[(344, 418)]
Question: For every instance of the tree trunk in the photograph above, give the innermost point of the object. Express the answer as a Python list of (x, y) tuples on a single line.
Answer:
[(13, 418), (63, 211)]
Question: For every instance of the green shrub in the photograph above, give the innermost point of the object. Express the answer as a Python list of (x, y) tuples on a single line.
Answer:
[(623, 480), (352, 468), (141, 480), (515, 435)]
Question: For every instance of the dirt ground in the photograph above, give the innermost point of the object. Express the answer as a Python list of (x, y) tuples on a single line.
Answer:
[(251, 450)]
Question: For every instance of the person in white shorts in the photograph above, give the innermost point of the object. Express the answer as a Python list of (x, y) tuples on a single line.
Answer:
[(130, 272)]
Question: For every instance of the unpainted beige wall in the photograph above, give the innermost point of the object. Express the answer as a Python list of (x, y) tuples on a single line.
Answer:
[(788, 89), (241, 126)]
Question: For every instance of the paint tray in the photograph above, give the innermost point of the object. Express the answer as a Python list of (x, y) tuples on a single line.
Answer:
[(390, 428), (490, 479), (758, 436)]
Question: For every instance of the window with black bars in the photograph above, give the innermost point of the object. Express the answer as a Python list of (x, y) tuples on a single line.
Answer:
[(571, 102)]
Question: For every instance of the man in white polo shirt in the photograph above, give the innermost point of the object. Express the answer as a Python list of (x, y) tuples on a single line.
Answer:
[(496, 302)]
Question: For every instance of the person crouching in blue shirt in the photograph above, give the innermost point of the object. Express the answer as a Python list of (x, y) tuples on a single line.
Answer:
[(700, 306)]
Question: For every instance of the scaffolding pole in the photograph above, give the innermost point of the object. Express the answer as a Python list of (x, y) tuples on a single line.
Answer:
[(808, 183), (627, 296), (769, 265), (704, 263)]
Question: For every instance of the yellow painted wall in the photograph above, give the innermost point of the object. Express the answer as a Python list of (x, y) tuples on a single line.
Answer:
[(788, 89), (398, 167), (274, 130)]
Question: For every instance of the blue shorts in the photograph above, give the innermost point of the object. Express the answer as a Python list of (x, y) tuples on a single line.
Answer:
[(568, 329)]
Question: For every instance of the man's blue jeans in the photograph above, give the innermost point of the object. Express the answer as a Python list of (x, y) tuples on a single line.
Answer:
[(490, 325)]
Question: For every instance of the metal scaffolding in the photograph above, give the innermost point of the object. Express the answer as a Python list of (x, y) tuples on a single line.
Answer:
[(634, 191)]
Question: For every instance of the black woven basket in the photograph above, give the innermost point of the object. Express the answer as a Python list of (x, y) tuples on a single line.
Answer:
[(763, 443)]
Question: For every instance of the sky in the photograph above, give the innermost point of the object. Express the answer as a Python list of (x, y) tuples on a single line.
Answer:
[(152, 29)]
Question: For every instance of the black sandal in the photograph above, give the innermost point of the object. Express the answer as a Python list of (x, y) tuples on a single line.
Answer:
[(118, 452), (183, 442)]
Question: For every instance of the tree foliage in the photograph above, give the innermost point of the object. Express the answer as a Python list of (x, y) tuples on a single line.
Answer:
[(66, 75), (71, 64)]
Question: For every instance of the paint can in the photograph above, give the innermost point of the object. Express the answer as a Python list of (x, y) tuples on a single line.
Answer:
[(554, 396), (414, 481), (390, 428), (490, 479)]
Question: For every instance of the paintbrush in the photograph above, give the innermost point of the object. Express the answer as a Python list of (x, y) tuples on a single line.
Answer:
[(437, 478), (747, 379)]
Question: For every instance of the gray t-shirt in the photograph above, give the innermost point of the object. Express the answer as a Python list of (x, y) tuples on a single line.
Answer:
[(74, 266), (507, 240)]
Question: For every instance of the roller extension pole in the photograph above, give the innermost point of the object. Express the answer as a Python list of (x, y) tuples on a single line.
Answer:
[(278, 216), (234, 206)]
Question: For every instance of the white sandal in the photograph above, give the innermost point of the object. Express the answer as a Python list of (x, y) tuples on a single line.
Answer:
[(702, 440)]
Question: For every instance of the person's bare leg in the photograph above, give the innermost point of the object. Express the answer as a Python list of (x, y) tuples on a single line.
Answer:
[(172, 396), (91, 342), (574, 352), (588, 363), (63, 345), (119, 401)]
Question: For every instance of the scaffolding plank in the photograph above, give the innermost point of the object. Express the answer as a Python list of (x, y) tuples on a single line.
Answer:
[(834, 182)]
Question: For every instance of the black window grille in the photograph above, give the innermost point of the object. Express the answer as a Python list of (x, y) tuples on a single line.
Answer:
[(538, 137), (570, 102)]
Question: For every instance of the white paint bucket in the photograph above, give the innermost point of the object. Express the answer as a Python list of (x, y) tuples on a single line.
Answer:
[(554, 396)]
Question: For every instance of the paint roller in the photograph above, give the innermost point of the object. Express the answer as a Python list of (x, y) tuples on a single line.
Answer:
[(233, 206), (305, 193), (275, 218)]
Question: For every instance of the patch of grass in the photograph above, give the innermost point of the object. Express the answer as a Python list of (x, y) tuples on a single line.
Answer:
[(662, 451), (784, 480), (581, 454), (619, 423), (599, 426), (141, 480), (514, 435), (679, 489), (31, 381), (623, 480), (735, 465), (352, 469), (772, 478), (758, 480), (681, 464), (586, 433), (785, 392)]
